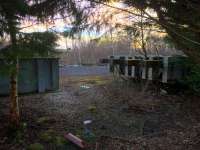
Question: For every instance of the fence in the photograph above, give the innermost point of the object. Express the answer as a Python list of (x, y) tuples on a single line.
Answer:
[(163, 69)]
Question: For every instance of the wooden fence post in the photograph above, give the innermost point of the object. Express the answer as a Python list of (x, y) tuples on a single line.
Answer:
[(122, 63), (144, 69), (117, 66), (150, 71), (137, 69), (126, 66), (132, 69), (111, 66), (129, 67), (165, 70)]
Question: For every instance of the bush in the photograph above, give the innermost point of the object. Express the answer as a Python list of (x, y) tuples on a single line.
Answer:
[(193, 78), (36, 146)]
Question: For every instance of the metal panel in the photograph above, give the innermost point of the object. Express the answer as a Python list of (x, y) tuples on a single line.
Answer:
[(41, 82), (47, 70), (4, 80), (4, 85), (35, 75), (27, 76), (55, 74)]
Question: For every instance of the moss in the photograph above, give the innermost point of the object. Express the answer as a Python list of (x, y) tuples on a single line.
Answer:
[(47, 136), (60, 141), (43, 120), (92, 109), (36, 146)]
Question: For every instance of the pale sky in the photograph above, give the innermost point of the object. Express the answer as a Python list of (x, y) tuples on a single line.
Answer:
[(106, 16)]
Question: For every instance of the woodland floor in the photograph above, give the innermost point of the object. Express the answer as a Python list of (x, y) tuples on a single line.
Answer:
[(123, 118)]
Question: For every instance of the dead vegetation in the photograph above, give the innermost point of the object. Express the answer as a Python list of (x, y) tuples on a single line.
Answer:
[(123, 117), (170, 121)]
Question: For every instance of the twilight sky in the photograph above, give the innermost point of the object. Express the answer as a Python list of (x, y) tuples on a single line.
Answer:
[(106, 17)]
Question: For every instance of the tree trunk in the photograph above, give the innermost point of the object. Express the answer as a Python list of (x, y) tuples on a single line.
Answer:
[(142, 36), (14, 107)]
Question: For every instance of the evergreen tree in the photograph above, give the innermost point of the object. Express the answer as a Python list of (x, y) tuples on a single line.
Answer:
[(12, 12)]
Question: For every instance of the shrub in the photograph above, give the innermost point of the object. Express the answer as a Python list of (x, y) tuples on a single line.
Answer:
[(193, 78), (36, 146)]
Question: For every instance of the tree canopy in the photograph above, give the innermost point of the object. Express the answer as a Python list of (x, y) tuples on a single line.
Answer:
[(28, 45), (180, 18)]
